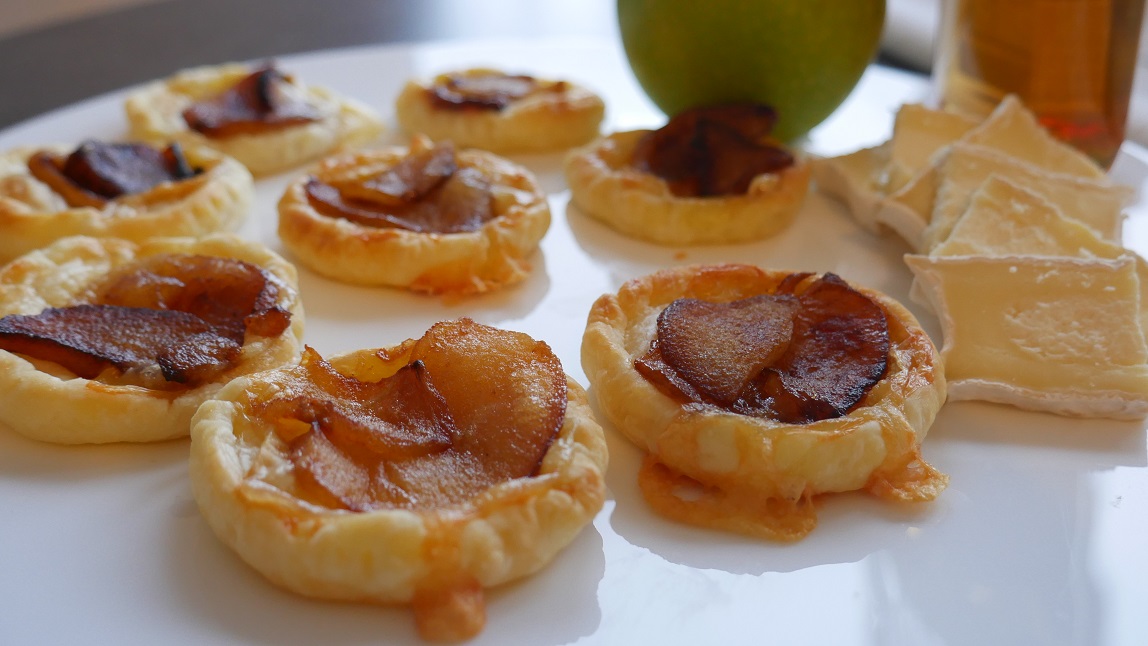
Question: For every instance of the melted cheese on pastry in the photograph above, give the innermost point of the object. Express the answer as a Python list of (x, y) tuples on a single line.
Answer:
[(1045, 333), (607, 187), (155, 113), (32, 215), (44, 401), (456, 263), (757, 475)]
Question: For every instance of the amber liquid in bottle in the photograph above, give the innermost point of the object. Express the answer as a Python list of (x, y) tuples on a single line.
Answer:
[(1071, 61)]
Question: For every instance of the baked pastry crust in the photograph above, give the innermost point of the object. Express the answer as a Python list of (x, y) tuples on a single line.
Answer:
[(44, 401), (155, 113), (243, 481), (758, 475), (557, 117), (438, 263), (607, 187), (32, 215)]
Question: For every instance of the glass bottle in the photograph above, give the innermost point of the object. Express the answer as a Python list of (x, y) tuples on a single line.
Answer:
[(1070, 61)]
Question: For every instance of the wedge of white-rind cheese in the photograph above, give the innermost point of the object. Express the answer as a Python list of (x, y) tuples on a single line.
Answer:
[(1054, 334), (1098, 205), (856, 180), (863, 180), (919, 133), (1003, 217), (1011, 130)]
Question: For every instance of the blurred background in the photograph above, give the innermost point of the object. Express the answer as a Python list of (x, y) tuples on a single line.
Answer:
[(56, 52)]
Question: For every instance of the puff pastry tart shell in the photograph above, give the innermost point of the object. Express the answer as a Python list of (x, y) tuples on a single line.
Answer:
[(605, 185), (155, 113), (433, 557), (32, 215), (45, 401), (557, 116), (458, 263), (758, 476)]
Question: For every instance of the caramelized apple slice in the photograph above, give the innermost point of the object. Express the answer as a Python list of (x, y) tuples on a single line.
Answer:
[(259, 102), (794, 358), (198, 358), (719, 347), (735, 161), (97, 172), (712, 151), (407, 181), (87, 339), (464, 202), (839, 350), (489, 91), (231, 295), (328, 201), (475, 406), (506, 393), (328, 475), (397, 418)]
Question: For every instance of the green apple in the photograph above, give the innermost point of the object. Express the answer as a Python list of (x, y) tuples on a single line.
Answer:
[(802, 57)]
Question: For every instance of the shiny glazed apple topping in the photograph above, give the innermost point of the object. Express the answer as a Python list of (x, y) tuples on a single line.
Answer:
[(713, 151), (97, 172), (426, 192), (810, 351), (473, 406), (263, 101), (162, 322), (489, 90)]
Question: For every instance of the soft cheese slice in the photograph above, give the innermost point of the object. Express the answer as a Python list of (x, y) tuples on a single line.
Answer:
[(1005, 218), (856, 179), (1061, 335), (862, 180), (918, 133), (1012, 130), (1095, 204)]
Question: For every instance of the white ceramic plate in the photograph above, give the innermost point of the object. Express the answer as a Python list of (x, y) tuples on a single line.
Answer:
[(1038, 540)]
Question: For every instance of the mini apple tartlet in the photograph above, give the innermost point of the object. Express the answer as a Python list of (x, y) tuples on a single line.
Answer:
[(428, 218), (499, 112), (709, 176), (106, 340), (268, 120), (126, 190), (755, 391), (419, 474)]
